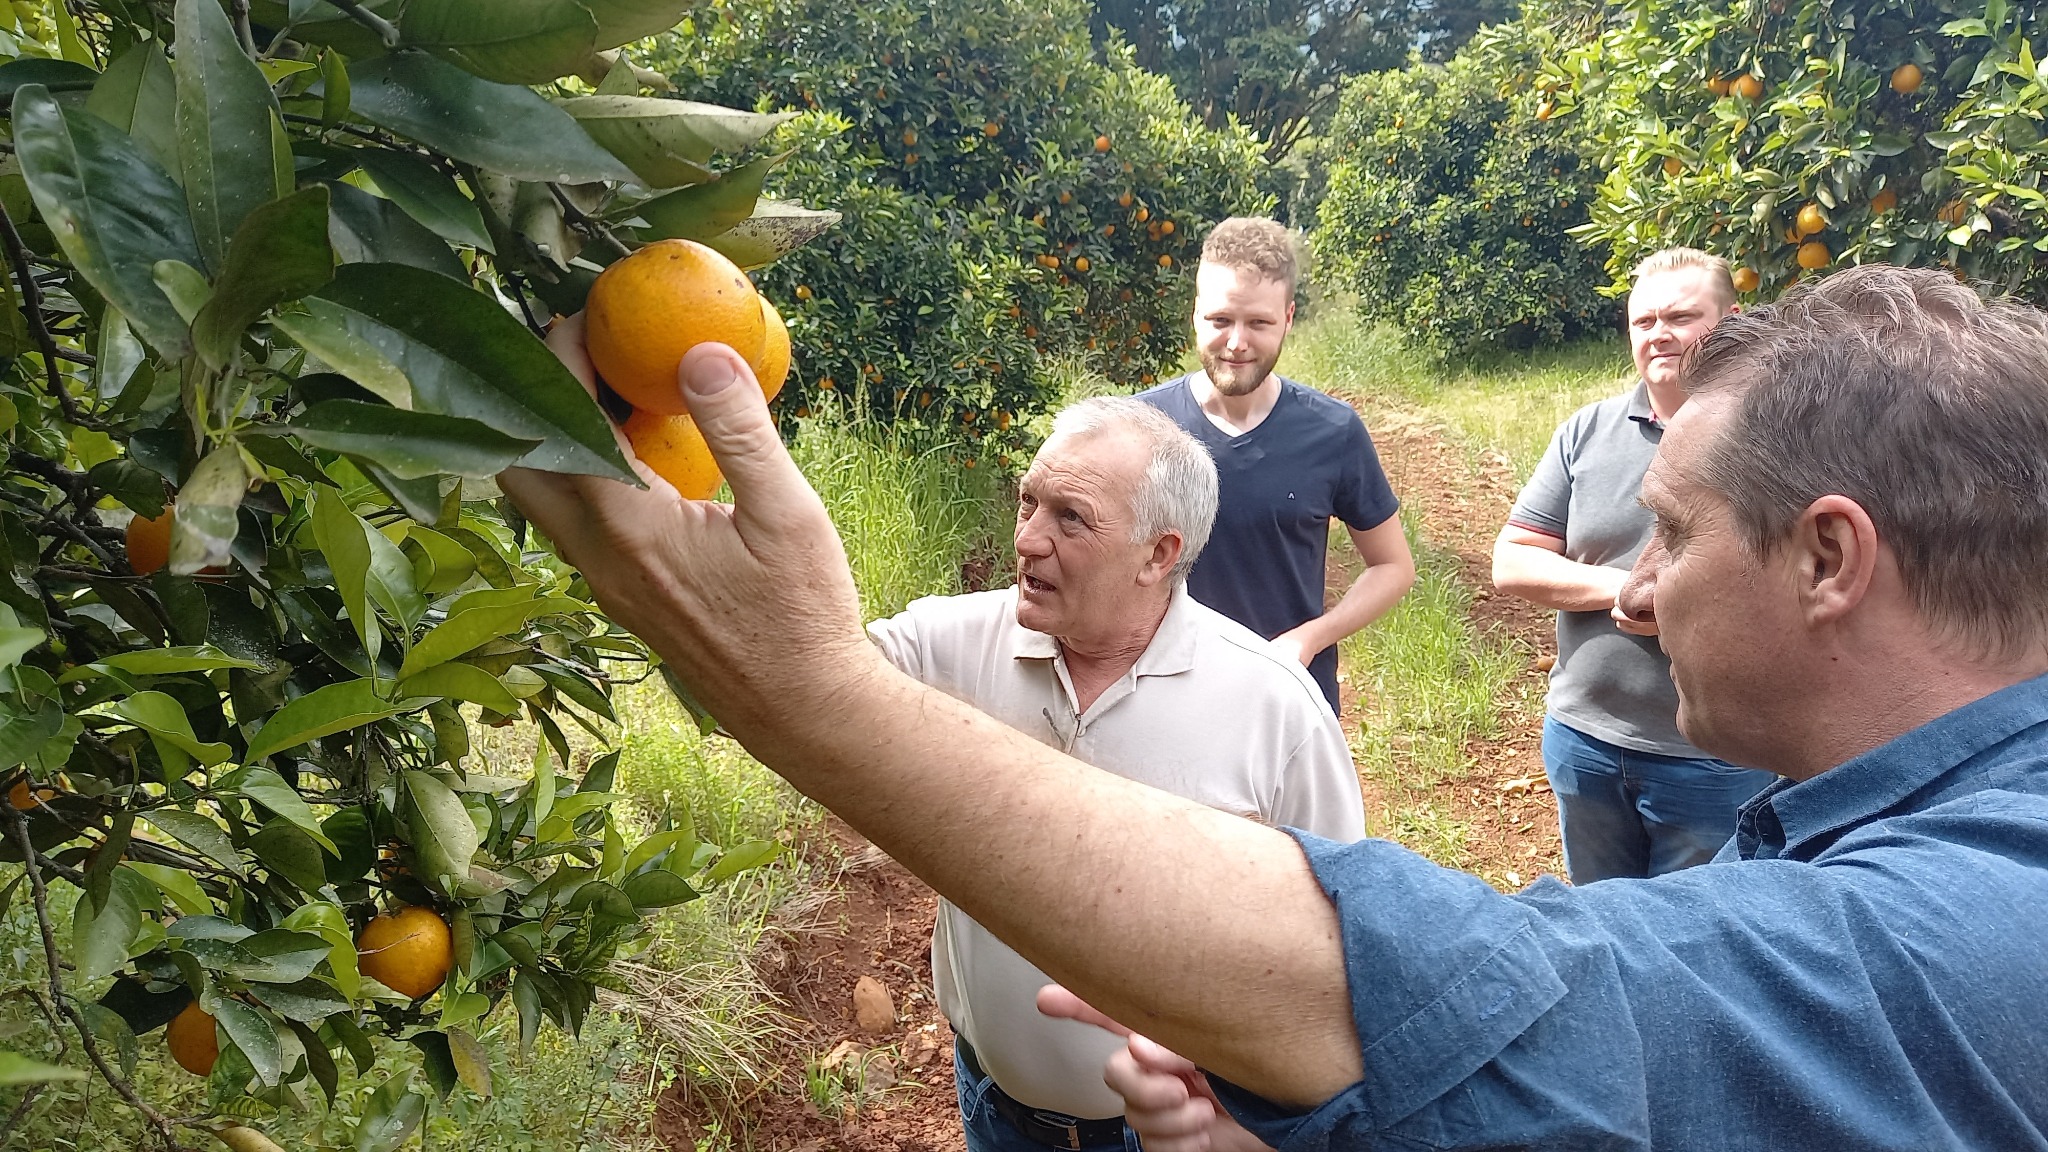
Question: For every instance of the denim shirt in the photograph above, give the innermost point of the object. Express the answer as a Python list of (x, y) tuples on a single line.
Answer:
[(1865, 966)]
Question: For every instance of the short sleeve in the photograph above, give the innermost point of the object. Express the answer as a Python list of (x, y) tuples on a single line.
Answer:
[(897, 637), (1364, 499), (1319, 791), (1546, 500)]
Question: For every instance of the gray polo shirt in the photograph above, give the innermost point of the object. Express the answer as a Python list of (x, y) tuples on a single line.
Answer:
[(1587, 492)]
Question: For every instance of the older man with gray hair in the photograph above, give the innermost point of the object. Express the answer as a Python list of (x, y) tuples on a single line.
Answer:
[(1099, 651)]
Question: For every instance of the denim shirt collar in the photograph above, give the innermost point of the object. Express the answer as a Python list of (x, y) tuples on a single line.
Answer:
[(1798, 820)]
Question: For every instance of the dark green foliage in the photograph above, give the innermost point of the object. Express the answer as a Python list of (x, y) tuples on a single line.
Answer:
[(959, 140), (1447, 214)]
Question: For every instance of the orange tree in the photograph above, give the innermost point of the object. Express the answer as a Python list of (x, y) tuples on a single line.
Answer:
[(1448, 212), (270, 330), (1796, 137), (1009, 198)]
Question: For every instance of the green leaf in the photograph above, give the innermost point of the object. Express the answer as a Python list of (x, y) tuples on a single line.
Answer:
[(342, 538), (465, 356), (344, 340), (283, 956), (682, 840), (334, 97), (203, 534), (198, 833), (390, 582), (659, 888), (165, 720), (69, 46), (468, 628), (448, 565), (176, 883), (254, 1033), (444, 839), (330, 923), (702, 211), (112, 209), (184, 286), (279, 253), (624, 21), (285, 849), (223, 117), (17, 641), (126, 479), (741, 858), (99, 940), (19, 73), (774, 230), (509, 41), (410, 445), (370, 229), (457, 681), (170, 661), (16, 1070), (669, 142), (427, 196), (306, 1001), (502, 127), (138, 95), (392, 1114), (267, 788), (322, 712)]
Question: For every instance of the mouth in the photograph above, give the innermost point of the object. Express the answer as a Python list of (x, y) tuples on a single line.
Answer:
[(1034, 585)]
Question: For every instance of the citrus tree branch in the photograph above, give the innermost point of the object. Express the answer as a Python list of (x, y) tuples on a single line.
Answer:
[(32, 308)]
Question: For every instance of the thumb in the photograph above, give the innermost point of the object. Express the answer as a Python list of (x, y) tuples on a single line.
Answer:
[(1060, 1004), (727, 405)]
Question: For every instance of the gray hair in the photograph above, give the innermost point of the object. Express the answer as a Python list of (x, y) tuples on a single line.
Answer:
[(1928, 406), (1178, 494)]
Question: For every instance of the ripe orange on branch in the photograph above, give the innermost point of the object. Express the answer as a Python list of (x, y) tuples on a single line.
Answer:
[(1814, 255), (1907, 78), (149, 542), (408, 951), (653, 306), (1745, 279), (675, 449), (191, 1039), (1883, 202), (1747, 86), (1811, 220)]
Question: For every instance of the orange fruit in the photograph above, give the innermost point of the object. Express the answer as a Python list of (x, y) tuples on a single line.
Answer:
[(1544, 111), (803, 291), (771, 368), (991, 129), (1747, 86), (909, 138), (653, 306), (672, 446), (191, 1039), (149, 543), (1066, 197), (1080, 263), (1952, 212), (1144, 214), (1165, 261), (1811, 221), (1813, 255), (1102, 143), (1717, 84), (1673, 166), (1883, 202), (22, 797), (407, 951), (1124, 201), (1907, 78), (1166, 227), (1745, 279)]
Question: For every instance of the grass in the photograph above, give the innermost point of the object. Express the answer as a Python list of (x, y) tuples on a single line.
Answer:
[(1496, 404)]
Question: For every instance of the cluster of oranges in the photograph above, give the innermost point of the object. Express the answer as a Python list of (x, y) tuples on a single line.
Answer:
[(650, 308), (408, 951)]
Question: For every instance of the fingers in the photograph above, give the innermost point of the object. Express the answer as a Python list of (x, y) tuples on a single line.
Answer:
[(1160, 1107), (1060, 1004), (727, 405)]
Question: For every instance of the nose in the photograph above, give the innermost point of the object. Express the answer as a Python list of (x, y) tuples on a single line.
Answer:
[(1638, 596), (1030, 540), (1237, 338)]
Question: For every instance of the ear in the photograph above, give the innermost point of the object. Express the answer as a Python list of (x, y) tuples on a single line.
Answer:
[(1159, 565), (1835, 548)]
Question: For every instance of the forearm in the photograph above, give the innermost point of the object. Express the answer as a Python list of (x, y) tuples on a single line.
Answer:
[(1550, 580), (1215, 918), (1370, 597)]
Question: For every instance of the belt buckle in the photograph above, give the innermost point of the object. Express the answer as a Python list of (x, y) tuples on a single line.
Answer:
[(1065, 1123)]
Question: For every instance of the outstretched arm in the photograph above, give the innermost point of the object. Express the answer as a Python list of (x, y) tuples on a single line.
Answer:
[(1211, 932)]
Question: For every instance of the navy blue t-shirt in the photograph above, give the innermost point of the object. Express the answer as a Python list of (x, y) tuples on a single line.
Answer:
[(1309, 460)]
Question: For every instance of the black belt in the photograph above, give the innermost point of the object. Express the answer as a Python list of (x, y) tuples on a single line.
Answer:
[(1040, 1125)]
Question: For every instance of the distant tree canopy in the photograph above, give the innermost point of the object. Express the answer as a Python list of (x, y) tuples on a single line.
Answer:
[(1278, 65)]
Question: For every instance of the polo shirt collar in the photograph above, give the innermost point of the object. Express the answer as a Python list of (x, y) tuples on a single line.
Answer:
[(1639, 408), (1945, 754), (1171, 652)]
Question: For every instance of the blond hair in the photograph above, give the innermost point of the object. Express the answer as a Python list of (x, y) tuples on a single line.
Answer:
[(1674, 259), (1253, 243)]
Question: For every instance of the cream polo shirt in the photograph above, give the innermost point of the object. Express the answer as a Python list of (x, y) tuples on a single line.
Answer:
[(1210, 711)]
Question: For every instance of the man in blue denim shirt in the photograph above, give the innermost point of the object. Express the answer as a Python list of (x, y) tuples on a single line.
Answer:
[(1850, 574)]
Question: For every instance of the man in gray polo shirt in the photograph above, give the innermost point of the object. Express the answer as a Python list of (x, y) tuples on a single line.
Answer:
[(1633, 797), (1100, 652)]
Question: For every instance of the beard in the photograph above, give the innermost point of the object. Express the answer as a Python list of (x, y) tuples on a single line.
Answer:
[(1237, 379)]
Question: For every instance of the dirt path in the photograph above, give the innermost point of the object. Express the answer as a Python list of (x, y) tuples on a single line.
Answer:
[(879, 924)]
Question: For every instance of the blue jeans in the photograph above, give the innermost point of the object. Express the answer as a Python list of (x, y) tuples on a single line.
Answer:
[(986, 1129), (1629, 813)]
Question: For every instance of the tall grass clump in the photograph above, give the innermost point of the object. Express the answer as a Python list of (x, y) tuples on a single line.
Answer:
[(915, 519)]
